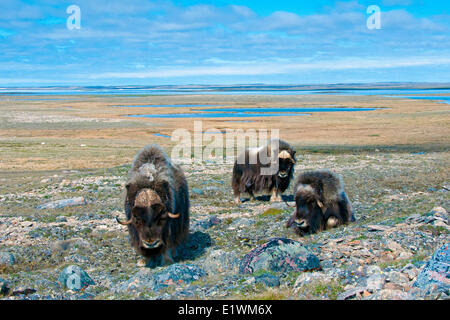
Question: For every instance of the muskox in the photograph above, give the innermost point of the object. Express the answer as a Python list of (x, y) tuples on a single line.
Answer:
[(321, 202), (156, 206), (252, 171)]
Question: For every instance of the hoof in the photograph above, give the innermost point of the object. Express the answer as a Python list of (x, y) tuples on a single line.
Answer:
[(141, 263), (332, 222)]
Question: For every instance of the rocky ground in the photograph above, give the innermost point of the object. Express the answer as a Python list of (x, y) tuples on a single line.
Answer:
[(74, 249)]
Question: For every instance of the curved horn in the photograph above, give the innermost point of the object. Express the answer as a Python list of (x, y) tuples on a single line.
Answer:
[(285, 155), (172, 215), (124, 223), (289, 204), (321, 206)]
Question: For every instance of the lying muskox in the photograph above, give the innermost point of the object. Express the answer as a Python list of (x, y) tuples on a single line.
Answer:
[(252, 173), (321, 202), (156, 206)]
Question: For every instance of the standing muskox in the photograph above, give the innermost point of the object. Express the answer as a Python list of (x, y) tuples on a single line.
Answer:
[(321, 202), (249, 174), (156, 205)]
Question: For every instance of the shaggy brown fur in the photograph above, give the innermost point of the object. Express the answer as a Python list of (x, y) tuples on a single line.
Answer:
[(156, 205), (321, 202), (248, 178)]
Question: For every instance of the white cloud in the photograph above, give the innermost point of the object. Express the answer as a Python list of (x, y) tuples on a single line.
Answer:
[(251, 68)]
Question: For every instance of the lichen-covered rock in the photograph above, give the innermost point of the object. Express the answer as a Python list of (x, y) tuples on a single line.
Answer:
[(74, 278), (279, 255), (177, 274), (63, 203), (436, 273)]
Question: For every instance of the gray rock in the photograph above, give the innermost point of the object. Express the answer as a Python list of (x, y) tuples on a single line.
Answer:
[(74, 278), (279, 255), (268, 280), (197, 191), (177, 274), (76, 258), (221, 261), (375, 282), (397, 277), (242, 222), (373, 270), (7, 259), (141, 281), (64, 245), (436, 273), (63, 203), (281, 205), (61, 219), (207, 223), (388, 294), (374, 227), (309, 277), (351, 293)]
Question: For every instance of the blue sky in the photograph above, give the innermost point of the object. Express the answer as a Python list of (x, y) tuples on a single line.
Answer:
[(223, 42)]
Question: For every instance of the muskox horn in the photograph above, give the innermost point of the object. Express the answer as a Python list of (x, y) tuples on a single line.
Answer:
[(172, 215), (321, 206), (285, 155), (125, 223)]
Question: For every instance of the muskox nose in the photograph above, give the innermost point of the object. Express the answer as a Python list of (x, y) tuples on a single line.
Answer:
[(282, 174), (301, 223), (151, 245)]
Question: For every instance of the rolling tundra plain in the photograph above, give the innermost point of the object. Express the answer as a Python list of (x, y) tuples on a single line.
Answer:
[(394, 161)]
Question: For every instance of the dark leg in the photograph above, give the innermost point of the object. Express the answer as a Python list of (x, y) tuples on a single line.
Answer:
[(346, 208)]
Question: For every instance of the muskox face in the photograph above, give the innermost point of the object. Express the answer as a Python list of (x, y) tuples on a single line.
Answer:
[(286, 162), (149, 217), (308, 215)]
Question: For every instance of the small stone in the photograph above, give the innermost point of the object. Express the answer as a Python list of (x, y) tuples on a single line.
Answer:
[(268, 280), (23, 291), (388, 294), (74, 278), (309, 277), (7, 259), (366, 293), (197, 191), (61, 219), (397, 277), (373, 270), (64, 245), (405, 255), (63, 203), (221, 261), (351, 293), (393, 286), (375, 282), (374, 227), (394, 246), (178, 274)]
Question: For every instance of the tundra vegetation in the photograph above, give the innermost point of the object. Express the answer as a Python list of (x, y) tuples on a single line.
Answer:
[(394, 163)]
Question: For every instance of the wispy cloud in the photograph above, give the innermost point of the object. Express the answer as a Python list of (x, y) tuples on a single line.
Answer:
[(252, 68), (136, 39)]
